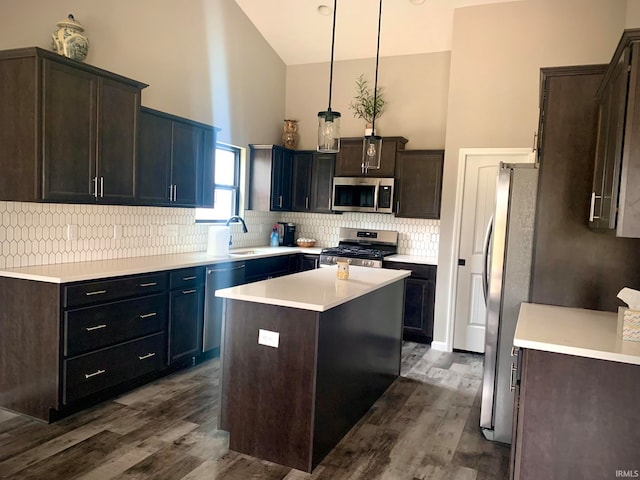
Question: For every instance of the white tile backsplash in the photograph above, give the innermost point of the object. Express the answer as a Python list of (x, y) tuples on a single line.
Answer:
[(36, 233), (416, 236)]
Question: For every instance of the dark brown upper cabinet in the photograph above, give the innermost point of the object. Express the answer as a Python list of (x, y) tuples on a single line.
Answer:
[(271, 177), (419, 182), (615, 197), (67, 130), (324, 165), (176, 159), (349, 158)]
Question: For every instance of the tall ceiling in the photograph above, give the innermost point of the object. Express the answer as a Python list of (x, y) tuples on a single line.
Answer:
[(300, 34)]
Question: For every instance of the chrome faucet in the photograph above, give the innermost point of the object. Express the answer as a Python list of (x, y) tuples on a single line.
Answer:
[(236, 218)]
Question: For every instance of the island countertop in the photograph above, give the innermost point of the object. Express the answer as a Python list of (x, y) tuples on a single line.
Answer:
[(574, 331), (318, 290)]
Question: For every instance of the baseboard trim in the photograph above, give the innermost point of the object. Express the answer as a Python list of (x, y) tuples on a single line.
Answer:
[(441, 346)]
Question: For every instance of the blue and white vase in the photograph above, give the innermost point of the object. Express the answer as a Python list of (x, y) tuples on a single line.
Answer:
[(69, 39)]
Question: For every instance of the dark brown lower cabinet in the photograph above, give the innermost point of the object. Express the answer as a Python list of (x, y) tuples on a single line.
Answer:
[(64, 347), (575, 417), (185, 320), (186, 313), (307, 261), (419, 300)]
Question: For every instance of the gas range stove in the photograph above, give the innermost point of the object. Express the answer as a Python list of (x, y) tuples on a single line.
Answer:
[(363, 248)]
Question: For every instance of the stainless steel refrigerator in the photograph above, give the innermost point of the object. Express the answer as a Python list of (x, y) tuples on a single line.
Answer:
[(508, 254)]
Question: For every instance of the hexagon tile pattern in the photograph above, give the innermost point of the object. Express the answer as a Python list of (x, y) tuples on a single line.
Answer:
[(47, 233)]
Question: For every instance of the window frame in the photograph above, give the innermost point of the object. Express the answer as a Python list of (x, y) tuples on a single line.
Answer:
[(236, 187)]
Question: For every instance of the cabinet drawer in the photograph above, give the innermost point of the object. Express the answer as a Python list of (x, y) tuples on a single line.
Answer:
[(418, 270), (96, 327), (91, 373), (186, 277), (87, 293)]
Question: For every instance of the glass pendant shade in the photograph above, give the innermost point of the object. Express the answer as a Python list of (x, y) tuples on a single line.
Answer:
[(371, 152), (328, 131)]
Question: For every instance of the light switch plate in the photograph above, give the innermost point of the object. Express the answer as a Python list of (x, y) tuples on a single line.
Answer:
[(268, 338)]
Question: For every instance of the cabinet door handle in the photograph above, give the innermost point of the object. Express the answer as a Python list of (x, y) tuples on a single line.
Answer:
[(279, 201), (189, 278), (187, 292), (175, 193), (97, 292), (592, 206), (306, 203), (147, 315), (150, 284), (397, 206), (97, 327), (101, 187), (171, 193), (95, 187), (512, 381), (144, 357), (97, 372)]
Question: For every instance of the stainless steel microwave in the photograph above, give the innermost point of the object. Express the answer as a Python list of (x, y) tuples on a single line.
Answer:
[(363, 194)]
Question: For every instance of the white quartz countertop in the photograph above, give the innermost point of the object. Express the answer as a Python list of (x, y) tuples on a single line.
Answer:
[(318, 290), (574, 331), (91, 270), (412, 259)]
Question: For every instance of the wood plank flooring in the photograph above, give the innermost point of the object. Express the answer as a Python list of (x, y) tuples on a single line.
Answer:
[(425, 427)]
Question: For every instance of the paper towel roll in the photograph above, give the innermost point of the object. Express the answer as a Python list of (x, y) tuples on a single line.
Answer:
[(218, 244)]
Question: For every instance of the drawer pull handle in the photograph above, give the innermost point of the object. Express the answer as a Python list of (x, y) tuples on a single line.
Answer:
[(97, 327), (150, 284), (89, 375), (189, 278), (187, 292), (147, 315), (148, 355), (97, 292)]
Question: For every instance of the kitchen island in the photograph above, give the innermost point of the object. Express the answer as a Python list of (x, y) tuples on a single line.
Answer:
[(304, 357), (576, 404)]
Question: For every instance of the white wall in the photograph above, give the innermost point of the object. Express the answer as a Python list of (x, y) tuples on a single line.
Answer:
[(202, 59), (415, 88), (497, 54)]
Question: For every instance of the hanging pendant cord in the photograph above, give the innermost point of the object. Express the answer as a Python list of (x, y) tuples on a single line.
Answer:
[(333, 39), (375, 84)]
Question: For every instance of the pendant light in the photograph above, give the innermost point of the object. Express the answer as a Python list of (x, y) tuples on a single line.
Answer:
[(329, 121), (372, 144)]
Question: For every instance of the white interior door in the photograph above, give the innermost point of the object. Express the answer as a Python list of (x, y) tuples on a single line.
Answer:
[(478, 203)]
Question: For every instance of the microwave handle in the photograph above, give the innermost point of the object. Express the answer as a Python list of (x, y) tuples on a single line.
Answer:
[(375, 198)]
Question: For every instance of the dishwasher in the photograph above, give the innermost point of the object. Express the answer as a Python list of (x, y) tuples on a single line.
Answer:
[(222, 275)]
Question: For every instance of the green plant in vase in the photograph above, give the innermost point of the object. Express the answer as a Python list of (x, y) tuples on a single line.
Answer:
[(363, 102)]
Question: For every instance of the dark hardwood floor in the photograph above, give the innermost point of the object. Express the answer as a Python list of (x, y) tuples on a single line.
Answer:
[(425, 427)]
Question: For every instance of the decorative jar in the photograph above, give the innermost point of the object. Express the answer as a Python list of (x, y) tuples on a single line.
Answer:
[(69, 39), (290, 135), (343, 269)]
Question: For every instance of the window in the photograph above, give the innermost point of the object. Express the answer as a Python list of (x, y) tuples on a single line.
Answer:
[(226, 193)]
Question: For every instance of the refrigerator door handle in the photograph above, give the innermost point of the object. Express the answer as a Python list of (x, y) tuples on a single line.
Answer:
[(485, 261)]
